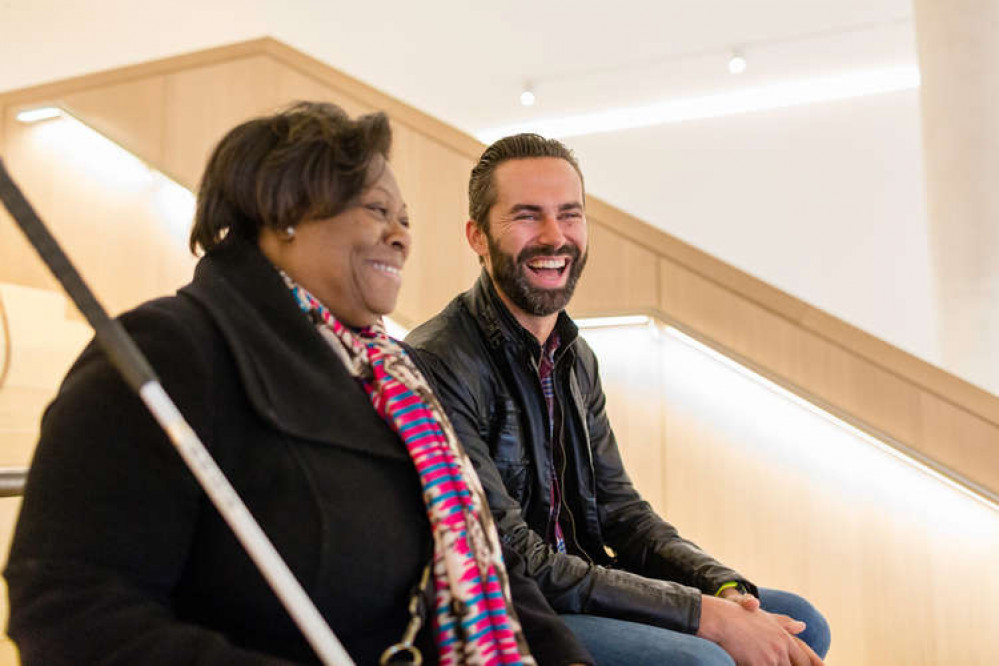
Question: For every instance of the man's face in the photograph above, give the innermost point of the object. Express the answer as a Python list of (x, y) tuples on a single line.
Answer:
[(535, 247)]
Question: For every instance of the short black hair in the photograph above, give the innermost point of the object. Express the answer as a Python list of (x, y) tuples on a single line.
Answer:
[(308, 161)]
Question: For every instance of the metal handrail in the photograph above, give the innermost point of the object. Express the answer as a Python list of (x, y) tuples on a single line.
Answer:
[(12, 481)]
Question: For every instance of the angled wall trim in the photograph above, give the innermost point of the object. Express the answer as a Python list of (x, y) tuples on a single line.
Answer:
[(186, 100)]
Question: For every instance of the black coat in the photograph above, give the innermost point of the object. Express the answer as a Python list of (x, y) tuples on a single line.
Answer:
[(484, 368), (118, 556)]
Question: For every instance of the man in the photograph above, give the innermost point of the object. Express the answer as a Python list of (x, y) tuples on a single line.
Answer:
[(524, 395)]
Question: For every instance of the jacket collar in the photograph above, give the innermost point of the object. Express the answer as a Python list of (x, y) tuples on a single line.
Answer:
[(292, 378), (500, 327)]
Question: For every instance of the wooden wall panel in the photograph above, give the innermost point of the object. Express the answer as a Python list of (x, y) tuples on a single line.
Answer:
[(848, 382), (441, 263), (203, 103), (630, 363), (292, 85), (9, 507), (797, 503), (18, 262), (350, 88), (31, 161), (17, 445), (130, 113), (745, 287), (725, 275), (20, 409), (952, 436), (620, 275), (111, 226), (42, 346)]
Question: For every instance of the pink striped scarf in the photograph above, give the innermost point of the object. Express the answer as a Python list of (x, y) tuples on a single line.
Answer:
[(474, 620)]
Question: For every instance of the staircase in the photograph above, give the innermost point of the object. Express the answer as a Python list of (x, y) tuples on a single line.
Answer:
[(38, 343)]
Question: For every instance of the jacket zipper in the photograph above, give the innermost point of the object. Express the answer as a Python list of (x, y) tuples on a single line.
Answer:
[(561, 472), (561, 481), (536, 373)]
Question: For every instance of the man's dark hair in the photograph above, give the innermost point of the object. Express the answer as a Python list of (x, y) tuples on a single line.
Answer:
[(482, 188), (306, 162)]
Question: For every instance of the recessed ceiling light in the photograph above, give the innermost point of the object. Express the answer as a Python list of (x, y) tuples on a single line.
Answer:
[(39, 113), (527, 97), (737, 64)]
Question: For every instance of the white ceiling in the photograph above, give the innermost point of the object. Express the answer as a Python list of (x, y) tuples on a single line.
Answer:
[(466, 62)]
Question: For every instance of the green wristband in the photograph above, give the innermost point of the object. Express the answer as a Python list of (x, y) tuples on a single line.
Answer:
[(727, 586)]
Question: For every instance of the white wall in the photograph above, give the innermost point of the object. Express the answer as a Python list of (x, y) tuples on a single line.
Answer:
[(48, 40), (824, 201)]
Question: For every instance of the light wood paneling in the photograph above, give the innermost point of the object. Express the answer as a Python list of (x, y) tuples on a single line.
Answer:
[(292, 85), (795, 502), (17, 445), (130, 113), (203, 103), (620, 275), (9, 507), (441, 264), (948, 434), (364, 93), (664, 245), (110, 226), (630, 363), (8, 651), (18, 262), (43, 345), (746, 287), (847, 381)]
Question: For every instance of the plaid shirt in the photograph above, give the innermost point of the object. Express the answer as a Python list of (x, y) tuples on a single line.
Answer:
[(546, 366)]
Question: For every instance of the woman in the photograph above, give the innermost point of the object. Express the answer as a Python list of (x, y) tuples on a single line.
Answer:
[(276, 355)]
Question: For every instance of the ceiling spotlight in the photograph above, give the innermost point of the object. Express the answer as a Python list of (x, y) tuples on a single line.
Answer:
[(527, 97), (744, 100), (737, 63)]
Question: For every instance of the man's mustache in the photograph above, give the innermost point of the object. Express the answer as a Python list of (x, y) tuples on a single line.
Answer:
[(568, 250)]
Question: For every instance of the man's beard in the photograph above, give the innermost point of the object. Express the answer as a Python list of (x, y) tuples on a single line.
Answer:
[(510, 276)]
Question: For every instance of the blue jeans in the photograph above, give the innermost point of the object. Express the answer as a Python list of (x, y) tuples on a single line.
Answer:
[(620, 643)]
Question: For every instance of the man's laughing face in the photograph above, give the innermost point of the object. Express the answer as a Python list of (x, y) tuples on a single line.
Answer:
[(536, 236)]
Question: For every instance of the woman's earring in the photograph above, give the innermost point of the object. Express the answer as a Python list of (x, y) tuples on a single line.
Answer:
[(289, 233)]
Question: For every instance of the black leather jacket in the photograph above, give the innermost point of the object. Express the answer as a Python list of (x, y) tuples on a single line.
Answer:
[(484, 367)]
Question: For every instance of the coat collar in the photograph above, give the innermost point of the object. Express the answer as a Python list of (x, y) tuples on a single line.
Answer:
[(500, 327), (292, 378)]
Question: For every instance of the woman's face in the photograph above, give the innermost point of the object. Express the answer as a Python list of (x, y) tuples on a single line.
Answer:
[(351, 262)]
